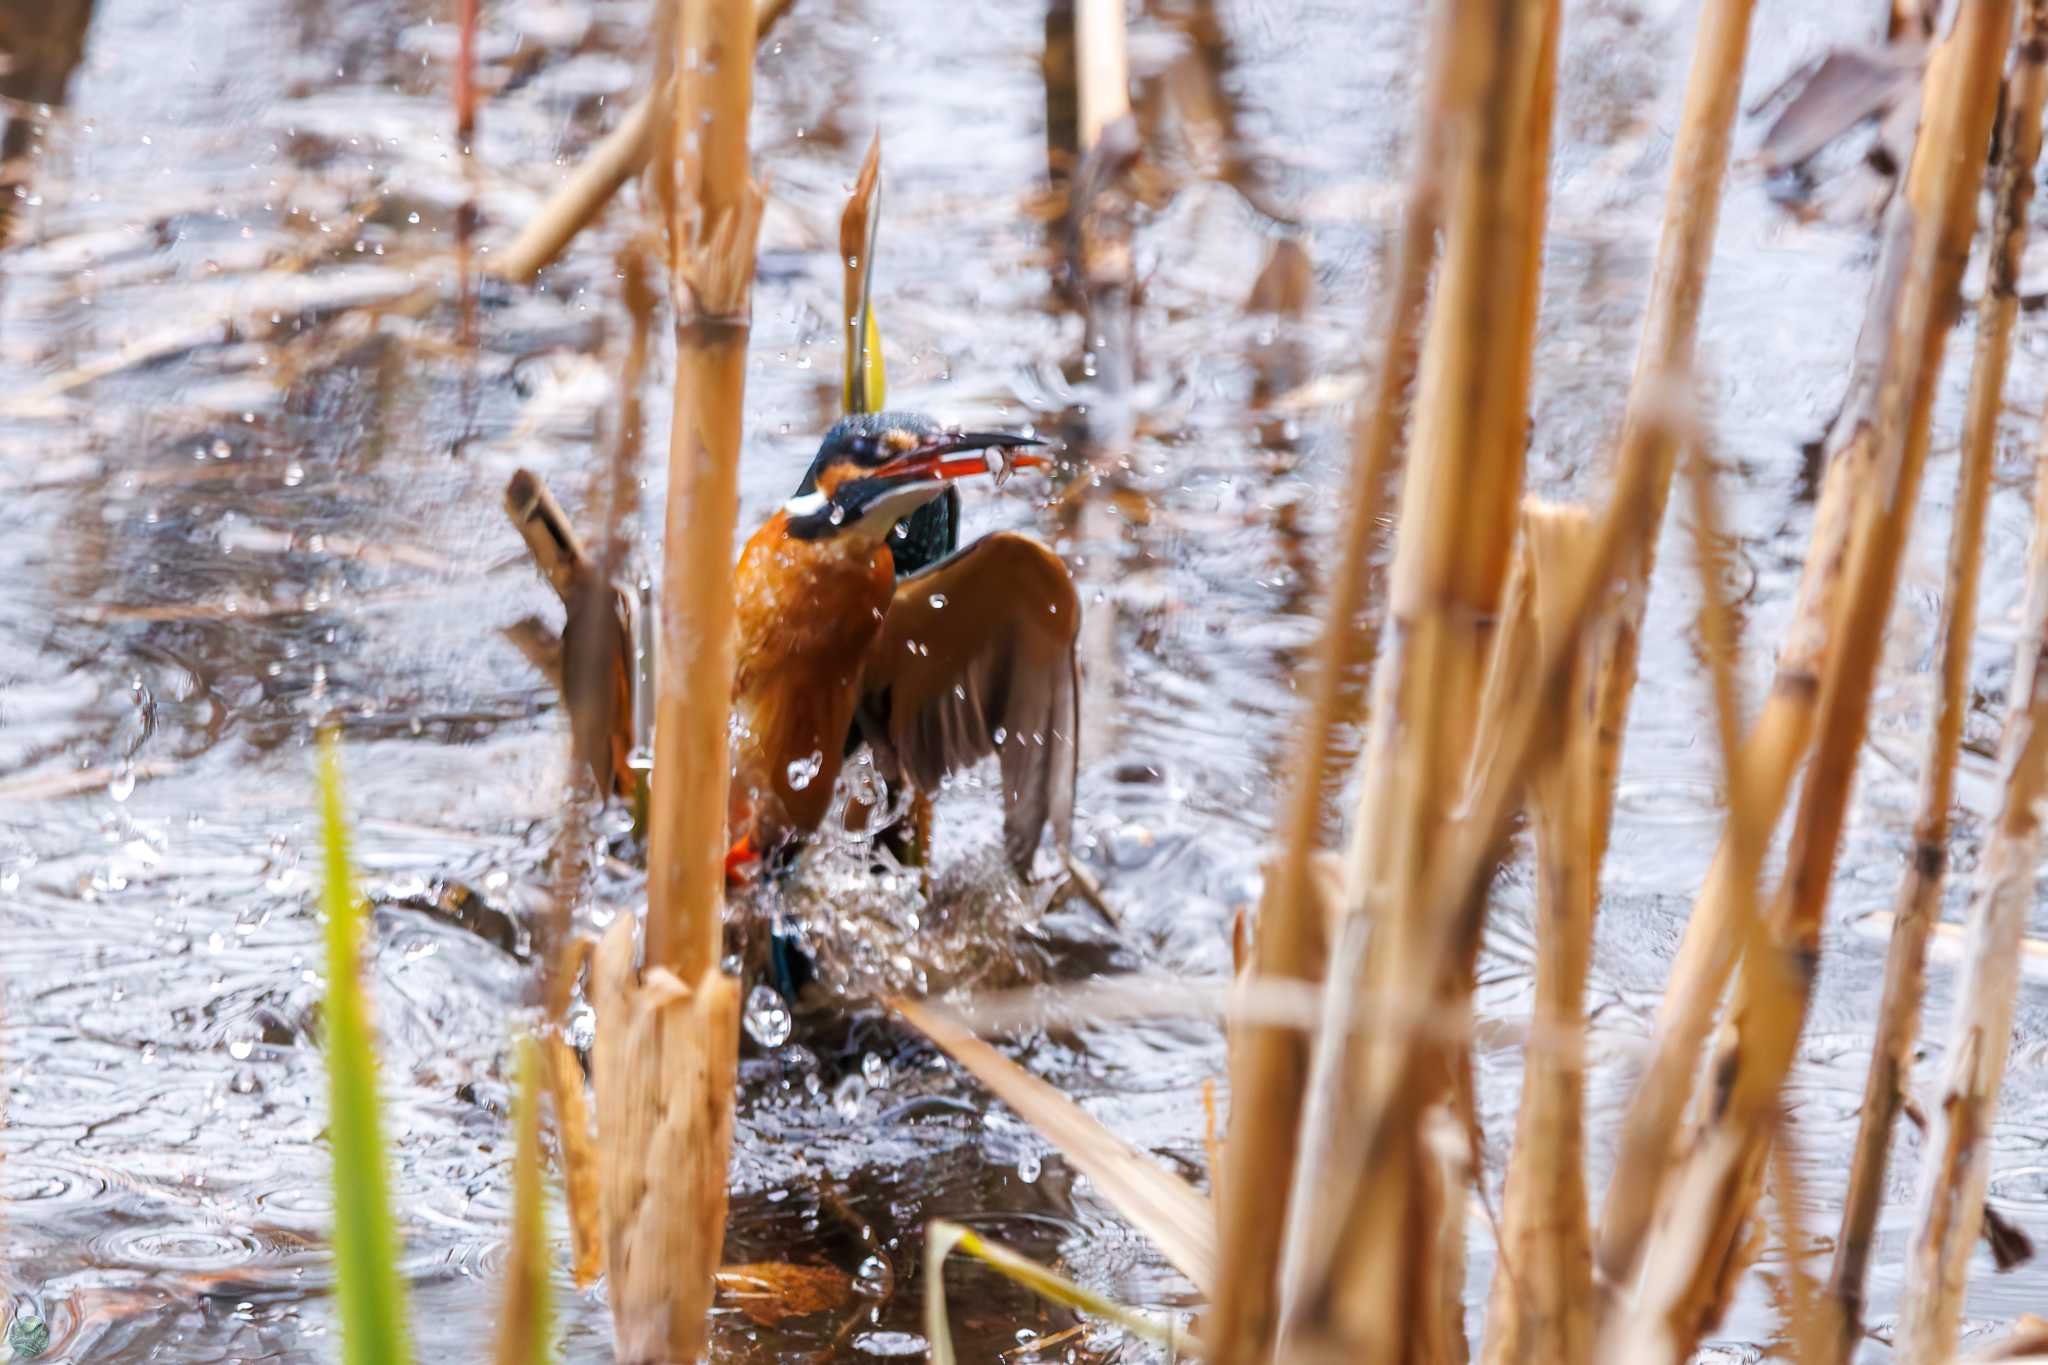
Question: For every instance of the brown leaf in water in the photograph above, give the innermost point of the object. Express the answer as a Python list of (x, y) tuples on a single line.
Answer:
[(1847, 86), (771, 1292), (2010, 1247)]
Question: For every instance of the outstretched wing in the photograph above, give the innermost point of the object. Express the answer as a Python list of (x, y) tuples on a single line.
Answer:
[(976, 657)]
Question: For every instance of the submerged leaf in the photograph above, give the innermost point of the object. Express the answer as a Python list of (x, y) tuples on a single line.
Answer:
[(771, 1292), (367, 1285), (1847, 86)]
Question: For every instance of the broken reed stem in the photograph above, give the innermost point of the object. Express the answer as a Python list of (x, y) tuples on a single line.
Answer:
[(1376, 1294), (1956, 1166), (1919, 900), (1721, 1175), (668, 1036), (1541, 1303), (617, 158), (1878, 451), (1268, 1065)]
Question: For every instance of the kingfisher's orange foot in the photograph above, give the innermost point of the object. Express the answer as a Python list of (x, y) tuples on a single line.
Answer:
[(742, 862)]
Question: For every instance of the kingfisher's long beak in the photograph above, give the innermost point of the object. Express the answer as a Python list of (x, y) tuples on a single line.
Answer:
[(962, 454)]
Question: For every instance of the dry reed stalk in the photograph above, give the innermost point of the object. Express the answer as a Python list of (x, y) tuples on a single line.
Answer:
[(663, 1069), (579, 1162), (669, 1034), (1699, 165), (617, 158), (1459, 512), (1956, 1166), (1878, 450), (1268, 1065), (1541, 1303), (1168, 1210), (1721, 1174), (716, 218), (1692, 207), (1102, 78), (1408, 1020), (465, 72), (1919, 899)]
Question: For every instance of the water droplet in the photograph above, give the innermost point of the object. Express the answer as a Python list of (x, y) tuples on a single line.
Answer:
[(848, 1096), (1029, 1167), (803, 770), (123, 785), (1001, 735), (938, 601), (873, 1278), (221, 449), (874, 1071), (767, 1017), (835, 514), (240, 1049)]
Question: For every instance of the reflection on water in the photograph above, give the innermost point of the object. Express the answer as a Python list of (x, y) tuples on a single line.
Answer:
[(252, 478)]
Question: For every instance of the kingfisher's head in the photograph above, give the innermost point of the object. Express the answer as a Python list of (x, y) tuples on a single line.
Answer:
[(876, 468)]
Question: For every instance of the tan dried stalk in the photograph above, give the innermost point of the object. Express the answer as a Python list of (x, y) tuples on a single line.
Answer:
[(1878, 450), (1268, 1065), (716, 218), (1382, 1293), (1409, 1021), (579, 1161), (669, 1034), (1957, 1162), (1919, 899), (663, 1067), (1721, 1175), (1692, 210), (1541, 1304), (1174, 1215), (617, 158), (1102, 80)]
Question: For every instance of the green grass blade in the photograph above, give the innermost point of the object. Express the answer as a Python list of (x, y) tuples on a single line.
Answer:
[(942, 1238), (368, 1287)]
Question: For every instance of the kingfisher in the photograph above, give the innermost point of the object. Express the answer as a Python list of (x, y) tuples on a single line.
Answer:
[(859, 620)]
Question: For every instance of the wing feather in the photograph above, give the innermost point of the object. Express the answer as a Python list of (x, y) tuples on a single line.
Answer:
[(976, 657)]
